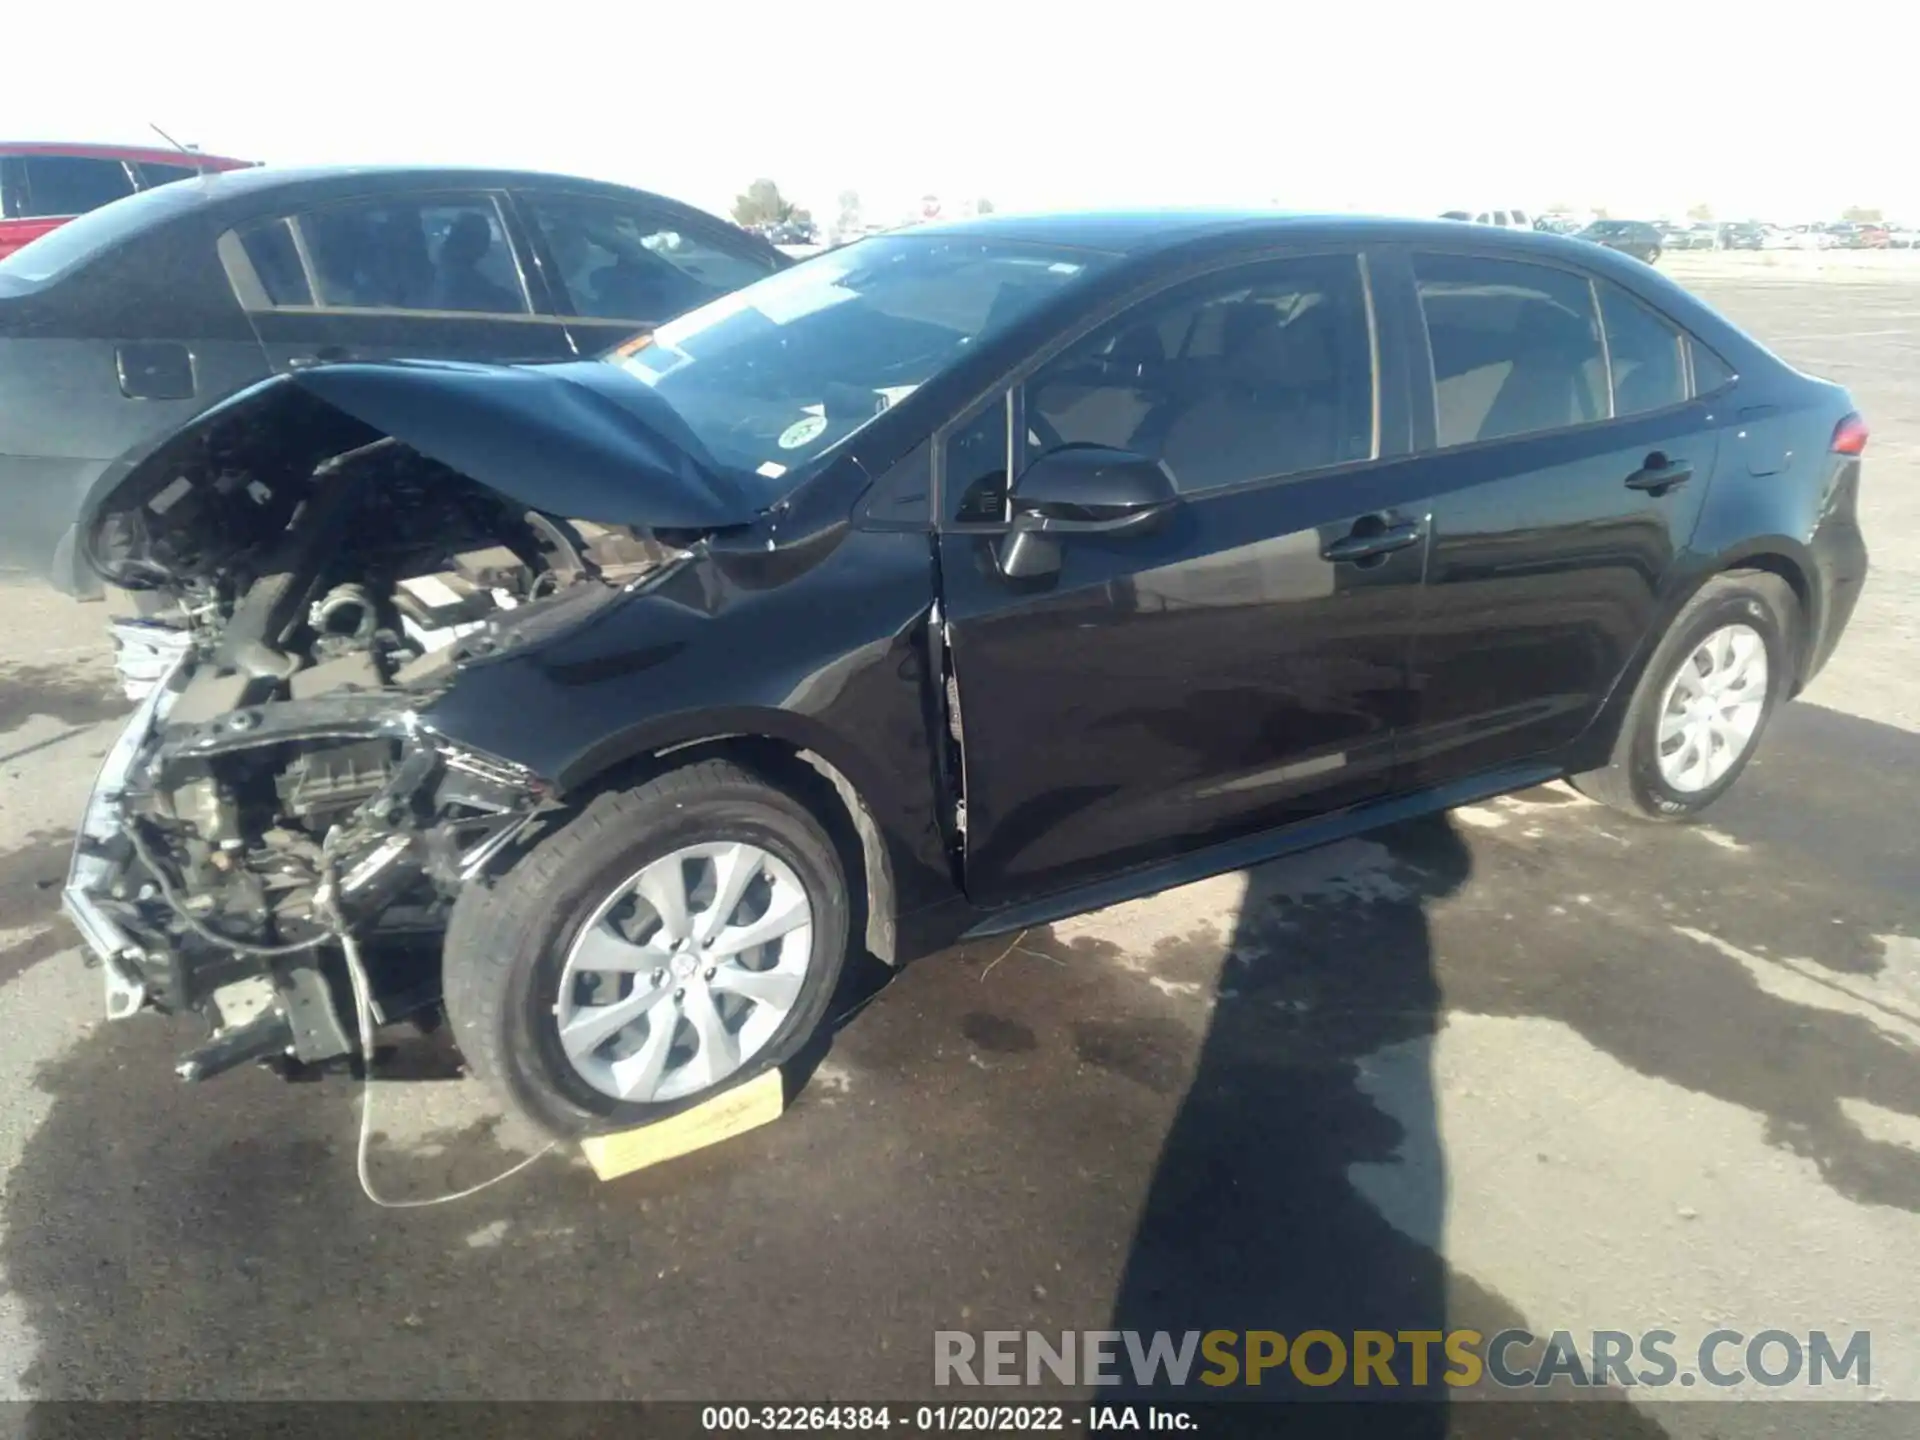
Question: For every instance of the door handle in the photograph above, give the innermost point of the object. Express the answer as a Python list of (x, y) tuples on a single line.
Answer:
[(1364, 541), (1660, 474)]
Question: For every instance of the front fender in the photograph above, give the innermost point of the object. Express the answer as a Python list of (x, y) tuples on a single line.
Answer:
[(831, 659)]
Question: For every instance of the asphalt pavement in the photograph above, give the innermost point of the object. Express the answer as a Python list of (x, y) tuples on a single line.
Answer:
[(1530, 1064)]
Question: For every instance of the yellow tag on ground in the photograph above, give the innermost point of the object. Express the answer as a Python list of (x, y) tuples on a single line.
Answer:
[(743, 1108)]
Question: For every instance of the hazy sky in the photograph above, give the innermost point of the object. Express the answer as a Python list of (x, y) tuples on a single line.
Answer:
[(1755, 108)]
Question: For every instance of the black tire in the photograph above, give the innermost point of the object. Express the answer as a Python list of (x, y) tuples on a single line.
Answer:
[(507, 941), (1631, 782), (1653, 256)]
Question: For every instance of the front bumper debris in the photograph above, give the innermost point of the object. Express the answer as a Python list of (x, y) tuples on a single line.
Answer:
[(145, 652), (90, 870)]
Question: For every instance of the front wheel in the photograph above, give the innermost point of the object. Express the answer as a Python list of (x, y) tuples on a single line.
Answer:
[(1653, 256), (1723, 668), (669, 943)]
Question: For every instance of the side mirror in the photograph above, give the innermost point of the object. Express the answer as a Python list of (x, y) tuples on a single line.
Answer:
[(1082, 490)]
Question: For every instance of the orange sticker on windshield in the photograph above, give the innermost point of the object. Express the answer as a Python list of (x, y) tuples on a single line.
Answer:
[(635, 345)]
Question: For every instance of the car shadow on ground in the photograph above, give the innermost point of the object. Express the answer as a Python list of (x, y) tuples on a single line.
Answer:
[(1256, 1218)]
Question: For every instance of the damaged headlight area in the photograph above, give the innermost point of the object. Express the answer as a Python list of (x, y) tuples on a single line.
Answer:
[(220, 860)]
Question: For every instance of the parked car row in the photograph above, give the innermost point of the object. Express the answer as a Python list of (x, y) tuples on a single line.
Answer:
[(124, 322), (789, 232), (43, 186), (1758, 235)]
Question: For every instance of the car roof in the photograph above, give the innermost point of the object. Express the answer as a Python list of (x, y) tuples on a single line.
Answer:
[(1137, 233), (148, 154), (266, 180)]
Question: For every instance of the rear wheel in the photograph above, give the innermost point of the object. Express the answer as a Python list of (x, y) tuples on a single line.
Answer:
[(1696, 717), (671, 942)]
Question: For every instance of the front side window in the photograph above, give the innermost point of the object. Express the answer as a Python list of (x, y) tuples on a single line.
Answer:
[(1264, 371), (53, 185), (617, 261), (1644, 353), (440, 254), (975, 467), (772, 378), (1515, 347)]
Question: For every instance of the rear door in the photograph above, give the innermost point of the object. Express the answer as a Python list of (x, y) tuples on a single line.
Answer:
[(1567, 465), (616, 266), (429, 275), (1229, 673)]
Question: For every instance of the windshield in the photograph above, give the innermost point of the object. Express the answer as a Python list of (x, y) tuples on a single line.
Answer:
[(772, 377)]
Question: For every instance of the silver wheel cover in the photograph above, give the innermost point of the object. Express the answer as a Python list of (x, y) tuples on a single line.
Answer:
[(1712, 708), (685, 972)]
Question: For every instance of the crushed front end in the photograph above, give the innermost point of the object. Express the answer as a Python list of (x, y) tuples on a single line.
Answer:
[(219, 859), (315, 584)]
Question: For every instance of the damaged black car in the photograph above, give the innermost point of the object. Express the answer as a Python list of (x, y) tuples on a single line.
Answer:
[(948, 583)]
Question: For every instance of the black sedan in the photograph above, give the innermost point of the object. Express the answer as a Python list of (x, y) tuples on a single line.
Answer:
[(945, 584), (1630, 237), (123, 323)]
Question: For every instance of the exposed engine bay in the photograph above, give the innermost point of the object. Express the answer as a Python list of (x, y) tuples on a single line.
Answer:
[(277, 787)]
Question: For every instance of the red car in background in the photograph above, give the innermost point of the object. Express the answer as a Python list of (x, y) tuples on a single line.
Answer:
[(42, 186)]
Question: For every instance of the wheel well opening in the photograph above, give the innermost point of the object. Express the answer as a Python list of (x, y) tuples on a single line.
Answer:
[(825, 790), (1796, 581)]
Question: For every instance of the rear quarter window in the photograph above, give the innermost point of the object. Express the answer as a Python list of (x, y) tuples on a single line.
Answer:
[(1645, 353)]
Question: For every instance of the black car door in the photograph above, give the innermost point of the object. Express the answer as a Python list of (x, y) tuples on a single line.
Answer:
[(1566, 466), (422, 275), (1241, 667), (616, 266)]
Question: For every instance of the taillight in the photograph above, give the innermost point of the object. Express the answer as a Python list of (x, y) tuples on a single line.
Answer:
[(1849, 436)]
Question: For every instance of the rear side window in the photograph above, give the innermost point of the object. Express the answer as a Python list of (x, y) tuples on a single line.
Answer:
[(618, 261), (1644, 353), (53, 185), (1261, 371), (1515, 346), (152, 174), (442, 253)]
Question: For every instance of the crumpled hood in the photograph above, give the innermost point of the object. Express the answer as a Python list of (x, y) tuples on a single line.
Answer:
[(582, 439)]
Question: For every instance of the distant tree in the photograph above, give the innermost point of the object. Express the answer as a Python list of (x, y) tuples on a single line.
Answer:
[(1560, 207), (763, 204), (1702, 211), (1869, 214), (983, 207)]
